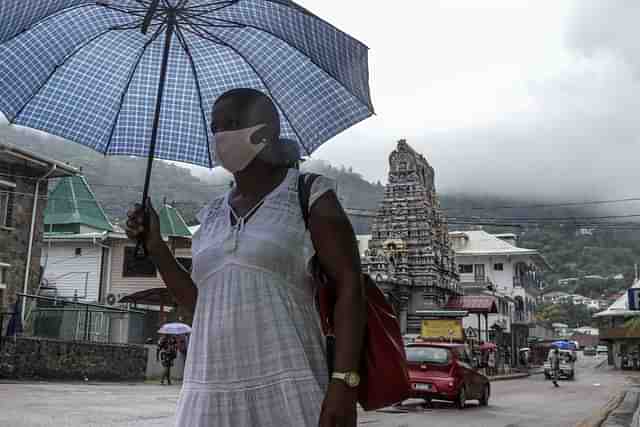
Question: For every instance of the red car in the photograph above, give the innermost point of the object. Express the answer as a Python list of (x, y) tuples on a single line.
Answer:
[(444, 372)]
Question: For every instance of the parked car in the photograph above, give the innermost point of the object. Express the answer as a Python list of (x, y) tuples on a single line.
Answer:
[(443, 371), (589, 351)]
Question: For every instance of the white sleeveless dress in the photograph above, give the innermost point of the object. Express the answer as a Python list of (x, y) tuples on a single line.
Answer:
[(256, 354)]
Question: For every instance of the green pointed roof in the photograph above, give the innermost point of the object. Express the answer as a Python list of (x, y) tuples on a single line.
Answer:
[(73, 202), (171, 223)]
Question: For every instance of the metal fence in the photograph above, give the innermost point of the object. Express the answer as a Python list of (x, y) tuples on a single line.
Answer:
[(72, 320)]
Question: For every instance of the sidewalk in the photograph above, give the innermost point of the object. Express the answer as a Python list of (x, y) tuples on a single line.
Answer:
[(622, 409)]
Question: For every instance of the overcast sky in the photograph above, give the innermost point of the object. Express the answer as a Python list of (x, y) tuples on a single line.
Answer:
[(532, 98), (538, 98)]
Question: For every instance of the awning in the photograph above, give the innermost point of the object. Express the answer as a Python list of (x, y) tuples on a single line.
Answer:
[(155, 296), (482, 304)]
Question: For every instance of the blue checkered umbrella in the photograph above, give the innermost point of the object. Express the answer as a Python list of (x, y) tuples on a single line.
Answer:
[(85, 71)]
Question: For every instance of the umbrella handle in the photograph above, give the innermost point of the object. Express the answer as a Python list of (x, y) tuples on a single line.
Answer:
[(141, 251)]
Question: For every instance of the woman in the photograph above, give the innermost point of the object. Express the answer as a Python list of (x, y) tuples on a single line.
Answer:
[(256, 355)]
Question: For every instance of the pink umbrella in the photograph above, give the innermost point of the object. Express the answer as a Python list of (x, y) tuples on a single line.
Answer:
[(488, 346)]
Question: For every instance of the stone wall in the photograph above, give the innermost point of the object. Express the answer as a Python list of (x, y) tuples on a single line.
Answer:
[(14, 240), (34, 358)]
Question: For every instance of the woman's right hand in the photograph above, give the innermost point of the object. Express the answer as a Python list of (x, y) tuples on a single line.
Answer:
[(149, 232)]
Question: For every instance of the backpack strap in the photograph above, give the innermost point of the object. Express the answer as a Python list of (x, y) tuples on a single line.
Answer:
[(305, 183)]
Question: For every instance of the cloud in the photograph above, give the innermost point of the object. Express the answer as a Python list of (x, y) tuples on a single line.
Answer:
[(533, 102)]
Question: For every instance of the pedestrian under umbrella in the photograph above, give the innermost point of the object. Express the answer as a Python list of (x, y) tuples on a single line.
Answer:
[(142, 78), (256, 354)]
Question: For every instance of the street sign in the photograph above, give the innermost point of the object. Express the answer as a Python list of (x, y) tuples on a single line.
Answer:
[(442, 328), (633, 296), (470, 332)]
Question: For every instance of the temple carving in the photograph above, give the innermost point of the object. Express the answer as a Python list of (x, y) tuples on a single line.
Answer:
[(410, 255)]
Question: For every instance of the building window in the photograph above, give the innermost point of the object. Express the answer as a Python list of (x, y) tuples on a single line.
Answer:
[(78, 251), (6, 203), (498, 267), (134, 267), (465, 268)]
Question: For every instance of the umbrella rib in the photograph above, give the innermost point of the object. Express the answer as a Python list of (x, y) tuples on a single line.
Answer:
[(205, 23), (328, 73), (264, 83), (187, 50), (134, 12), (126, 88), (55, 69), (207, 6)]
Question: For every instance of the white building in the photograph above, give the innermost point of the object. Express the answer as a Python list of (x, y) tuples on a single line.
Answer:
[(363, 243), (88, 258), (557, 297), (493, 265), (568, 281), (561, 330), (587, 330)]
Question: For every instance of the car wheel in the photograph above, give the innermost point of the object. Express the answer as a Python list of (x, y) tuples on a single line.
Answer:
[(461, 401), (486, 393)]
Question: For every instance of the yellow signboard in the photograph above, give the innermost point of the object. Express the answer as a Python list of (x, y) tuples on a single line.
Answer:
[(442, 328)]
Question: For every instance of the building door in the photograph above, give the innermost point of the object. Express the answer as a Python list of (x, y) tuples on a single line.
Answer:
[(478, 271)]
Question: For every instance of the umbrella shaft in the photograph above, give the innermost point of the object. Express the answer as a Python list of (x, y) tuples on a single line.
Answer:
[(171, 22), (156, 117)]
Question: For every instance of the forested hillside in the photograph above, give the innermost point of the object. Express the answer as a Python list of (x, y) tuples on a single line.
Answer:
[(117, 182)]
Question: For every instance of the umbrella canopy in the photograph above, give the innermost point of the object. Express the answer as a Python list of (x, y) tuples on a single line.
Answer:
[(84, 70), (175, 328), (488, 346), (564, 345)]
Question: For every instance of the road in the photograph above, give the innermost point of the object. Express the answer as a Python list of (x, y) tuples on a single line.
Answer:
[(515, 403)]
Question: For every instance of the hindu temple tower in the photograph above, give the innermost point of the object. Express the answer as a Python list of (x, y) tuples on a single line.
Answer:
[(410, 254)]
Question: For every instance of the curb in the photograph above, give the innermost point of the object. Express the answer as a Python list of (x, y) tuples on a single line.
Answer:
[(599, 417), (623, 415), (509, 377)]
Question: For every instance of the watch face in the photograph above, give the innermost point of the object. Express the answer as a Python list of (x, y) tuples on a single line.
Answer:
[(352, 379)]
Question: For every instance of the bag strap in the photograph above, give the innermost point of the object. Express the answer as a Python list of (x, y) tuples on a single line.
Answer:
[(305, 183)]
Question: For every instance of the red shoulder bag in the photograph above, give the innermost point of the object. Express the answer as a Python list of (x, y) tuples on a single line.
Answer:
[(383, 370)]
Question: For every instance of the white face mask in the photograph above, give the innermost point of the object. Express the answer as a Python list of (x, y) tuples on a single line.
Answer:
[(234, 149)]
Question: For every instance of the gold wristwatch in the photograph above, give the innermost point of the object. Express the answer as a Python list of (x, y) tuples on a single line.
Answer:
[(352, 379)]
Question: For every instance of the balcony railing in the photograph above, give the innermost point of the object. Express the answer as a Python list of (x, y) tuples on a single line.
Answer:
[(619, 332)]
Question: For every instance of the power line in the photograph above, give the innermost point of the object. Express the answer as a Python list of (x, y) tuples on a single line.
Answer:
[(458, 219), (128, 187), (551, 205), (534, 206)]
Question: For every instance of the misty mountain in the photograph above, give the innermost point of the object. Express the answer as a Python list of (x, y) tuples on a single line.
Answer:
[(118, 181)]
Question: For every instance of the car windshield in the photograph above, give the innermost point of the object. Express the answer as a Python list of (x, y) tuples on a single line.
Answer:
[(436, 355)]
